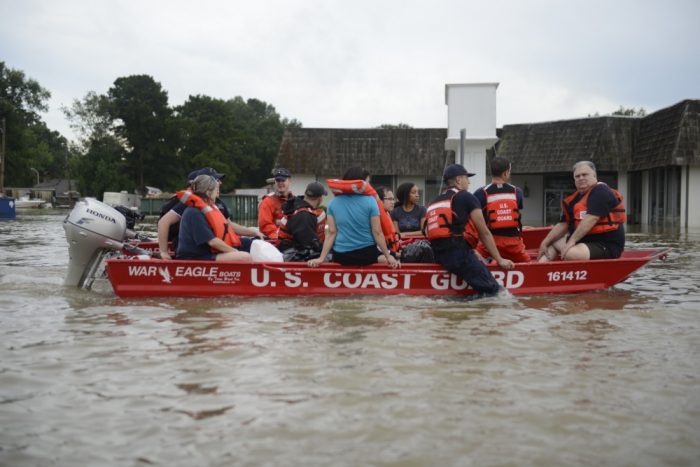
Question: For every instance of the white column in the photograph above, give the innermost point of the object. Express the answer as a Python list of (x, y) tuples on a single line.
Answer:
[(645, 198), (693, 198), (472, 107), (622, 186)]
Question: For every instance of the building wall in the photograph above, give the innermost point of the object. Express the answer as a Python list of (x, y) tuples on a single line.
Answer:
[(533, 204)]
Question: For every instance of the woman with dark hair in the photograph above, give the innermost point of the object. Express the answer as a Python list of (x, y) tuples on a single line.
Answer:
[(354, 234), (408, 215)]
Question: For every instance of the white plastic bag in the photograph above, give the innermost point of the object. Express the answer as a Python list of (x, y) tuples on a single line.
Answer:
[(262, 251)]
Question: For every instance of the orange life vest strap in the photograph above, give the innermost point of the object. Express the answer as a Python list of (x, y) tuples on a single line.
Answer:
[(216, 220)]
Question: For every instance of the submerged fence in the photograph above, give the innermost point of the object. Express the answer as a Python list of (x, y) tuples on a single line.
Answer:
[(244, 208)]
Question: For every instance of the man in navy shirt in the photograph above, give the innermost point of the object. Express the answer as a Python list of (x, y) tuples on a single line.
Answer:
[(502, 204), (447, 218), (592, 223), (208, 236), (172, 211)]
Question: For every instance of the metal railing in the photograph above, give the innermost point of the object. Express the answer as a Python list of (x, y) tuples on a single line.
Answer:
[(242, 207)]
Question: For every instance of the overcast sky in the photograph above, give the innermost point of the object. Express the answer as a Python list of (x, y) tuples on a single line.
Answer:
[(359, 64)]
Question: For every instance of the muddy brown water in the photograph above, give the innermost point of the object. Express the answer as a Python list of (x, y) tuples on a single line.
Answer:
[(604, 378)]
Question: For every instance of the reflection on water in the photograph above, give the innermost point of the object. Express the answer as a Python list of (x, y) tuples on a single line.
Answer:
[(87, 378)]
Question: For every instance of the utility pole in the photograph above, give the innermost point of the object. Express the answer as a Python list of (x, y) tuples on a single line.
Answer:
[(2, 160)]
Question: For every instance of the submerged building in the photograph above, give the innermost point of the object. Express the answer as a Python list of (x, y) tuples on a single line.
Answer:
[(654, 161)]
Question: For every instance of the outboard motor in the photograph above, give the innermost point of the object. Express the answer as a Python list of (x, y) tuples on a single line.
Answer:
[(93, 229)]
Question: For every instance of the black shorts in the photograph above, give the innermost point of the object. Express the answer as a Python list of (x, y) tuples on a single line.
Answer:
[(360, 257), (246, 243), (602, 250)]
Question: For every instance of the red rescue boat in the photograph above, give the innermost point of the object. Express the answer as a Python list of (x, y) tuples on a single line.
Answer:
[(98, 234), (152, 277)]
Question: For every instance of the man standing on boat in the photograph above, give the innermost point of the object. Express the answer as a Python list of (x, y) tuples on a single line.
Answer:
[(592, 222), (502, 204), (270, 210), (447, 218)]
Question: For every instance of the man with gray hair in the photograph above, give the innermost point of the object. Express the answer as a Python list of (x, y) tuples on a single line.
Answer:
[(592, 222), (205, 233), (171, 213)]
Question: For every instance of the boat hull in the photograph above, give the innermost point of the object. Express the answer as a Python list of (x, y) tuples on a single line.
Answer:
[(169, 278)]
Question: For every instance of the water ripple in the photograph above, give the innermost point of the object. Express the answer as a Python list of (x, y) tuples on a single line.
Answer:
[(87, 378)]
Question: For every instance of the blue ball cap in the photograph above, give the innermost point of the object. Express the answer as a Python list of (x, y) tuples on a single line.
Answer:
[(205, 171), (455, 170), (281, 173)]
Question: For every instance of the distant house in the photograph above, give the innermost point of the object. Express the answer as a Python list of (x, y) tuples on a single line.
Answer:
[(653, 160), (61, 192), (392, 156)]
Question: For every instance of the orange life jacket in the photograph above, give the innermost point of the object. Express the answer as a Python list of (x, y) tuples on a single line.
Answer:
[(576, 212), (441, 220), (218, 223), (361, 187), (501, 211), (284, 234)]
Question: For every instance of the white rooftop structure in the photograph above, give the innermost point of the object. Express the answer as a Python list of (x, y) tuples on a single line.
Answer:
[(471, 108)]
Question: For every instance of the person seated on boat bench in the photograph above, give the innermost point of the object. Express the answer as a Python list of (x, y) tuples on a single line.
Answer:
[(386, 205), (270, 208), (171, 213), (354, 227), (446, 223), (205, 234), (302, 229), (592, 221), (408, 215), (501, 204), (418, 251)]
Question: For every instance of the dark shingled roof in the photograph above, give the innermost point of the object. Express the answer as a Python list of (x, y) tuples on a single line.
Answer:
[(323, 151), (670, 136), (557, 146)]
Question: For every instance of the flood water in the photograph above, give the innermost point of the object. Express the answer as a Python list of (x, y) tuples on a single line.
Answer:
[(606, 378)]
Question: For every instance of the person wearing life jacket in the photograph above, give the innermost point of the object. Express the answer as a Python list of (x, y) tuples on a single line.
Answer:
[(447, 218), (592, 222), (354, 234), (387, 201), (171, 213), (363, 187), (205, 234), (502, 204), (303, 227), (270, 208)]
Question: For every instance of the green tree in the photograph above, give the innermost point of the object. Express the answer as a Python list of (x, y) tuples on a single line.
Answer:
[(258, 141), (131, 137), (206, 135), (237, 137), (391, 126), (630, 112), (100, 162), (89, 119), (29, 144), (102, 167), (138, 106)]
